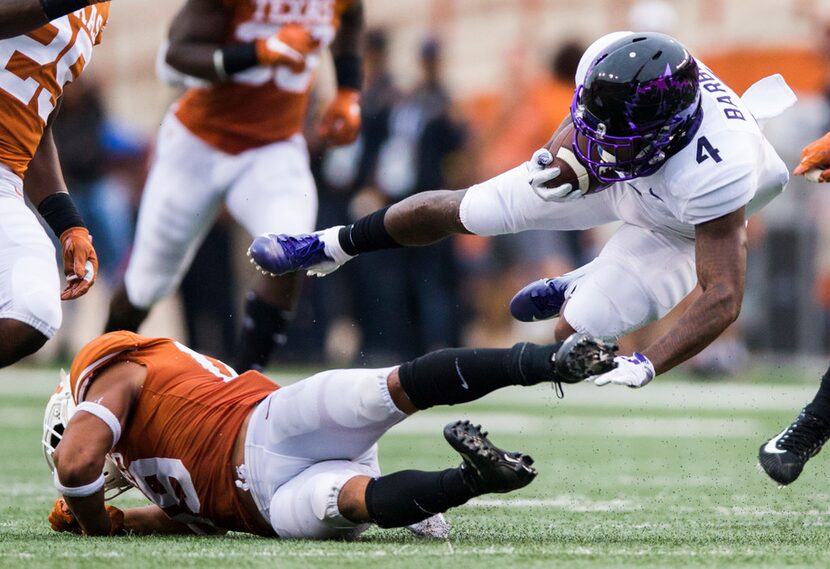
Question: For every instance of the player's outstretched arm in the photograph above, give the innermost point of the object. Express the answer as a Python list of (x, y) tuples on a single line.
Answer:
[(18, 17), (79, 457), (720, 256), (341, 121), (198, 44), (45, 187), (151, 520)]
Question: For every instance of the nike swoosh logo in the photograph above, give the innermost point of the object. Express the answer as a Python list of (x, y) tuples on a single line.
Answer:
[(509, 458), (460, 375), (770, 447)]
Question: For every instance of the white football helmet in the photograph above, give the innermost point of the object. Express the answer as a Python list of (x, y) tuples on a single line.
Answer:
[(59, 410)]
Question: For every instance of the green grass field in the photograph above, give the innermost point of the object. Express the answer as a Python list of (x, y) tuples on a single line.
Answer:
[(659, 477)]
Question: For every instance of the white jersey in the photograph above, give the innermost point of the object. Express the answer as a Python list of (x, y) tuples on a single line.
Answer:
[(727, 165), (648, 266)]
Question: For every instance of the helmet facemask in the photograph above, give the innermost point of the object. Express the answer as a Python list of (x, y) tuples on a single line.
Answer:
[(639, 153)]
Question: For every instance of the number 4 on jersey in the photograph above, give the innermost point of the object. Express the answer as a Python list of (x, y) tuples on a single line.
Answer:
[(705, 150)]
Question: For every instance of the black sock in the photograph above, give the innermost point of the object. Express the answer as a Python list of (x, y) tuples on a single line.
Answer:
[(263, 330), (367, 234), (820, 405), (410, 496), (459, 375)]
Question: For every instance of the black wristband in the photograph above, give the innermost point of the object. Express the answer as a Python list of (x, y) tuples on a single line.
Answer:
[(57, 8), (59, 211), (349, 71), (238, 57)]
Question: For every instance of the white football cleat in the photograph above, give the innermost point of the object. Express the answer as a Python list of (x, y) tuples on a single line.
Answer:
[(436, 527)]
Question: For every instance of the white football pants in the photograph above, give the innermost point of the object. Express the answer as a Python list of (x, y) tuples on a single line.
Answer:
[(266, 189)]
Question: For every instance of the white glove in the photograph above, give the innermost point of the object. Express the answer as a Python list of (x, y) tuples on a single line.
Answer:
[(541, 175), (634, 371)]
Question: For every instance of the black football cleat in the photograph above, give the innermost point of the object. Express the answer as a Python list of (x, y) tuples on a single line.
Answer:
[(487, 468), (580, 356), (783, 457)]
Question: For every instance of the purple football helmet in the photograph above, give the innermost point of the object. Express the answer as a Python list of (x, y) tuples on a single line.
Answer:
[(639, 105)]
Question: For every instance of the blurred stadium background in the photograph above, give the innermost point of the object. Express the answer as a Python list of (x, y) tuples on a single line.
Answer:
[(506, 68)]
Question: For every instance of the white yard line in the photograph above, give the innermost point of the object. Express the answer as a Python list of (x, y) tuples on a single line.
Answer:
[(616, 426)]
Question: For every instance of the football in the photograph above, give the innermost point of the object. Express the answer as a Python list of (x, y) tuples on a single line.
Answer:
[(572, 170)]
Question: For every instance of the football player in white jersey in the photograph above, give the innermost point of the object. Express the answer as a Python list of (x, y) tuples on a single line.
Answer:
[(686, 163), (783, 456)]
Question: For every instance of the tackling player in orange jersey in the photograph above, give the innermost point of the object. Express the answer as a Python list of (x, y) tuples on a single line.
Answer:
[(216, 451), (34, 68), (235, 139)]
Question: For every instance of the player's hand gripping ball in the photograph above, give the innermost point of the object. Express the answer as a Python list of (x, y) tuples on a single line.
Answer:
[(555, 172)]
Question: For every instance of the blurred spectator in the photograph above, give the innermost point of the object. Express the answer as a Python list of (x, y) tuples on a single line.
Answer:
[(81, 137), (407, 301)]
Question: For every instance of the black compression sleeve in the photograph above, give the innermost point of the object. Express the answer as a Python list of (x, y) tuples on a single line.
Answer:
[(57, 8), (238, 57), (59, 212), (459, 375), (367, 234), (349, 71)]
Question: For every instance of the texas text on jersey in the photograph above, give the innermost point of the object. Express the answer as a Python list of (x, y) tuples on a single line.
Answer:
[(33, 71), (177, 446), (263, 104)]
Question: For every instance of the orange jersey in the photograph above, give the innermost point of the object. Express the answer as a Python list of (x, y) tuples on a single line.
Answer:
[(177, 446), (263, 104), (34, 68)]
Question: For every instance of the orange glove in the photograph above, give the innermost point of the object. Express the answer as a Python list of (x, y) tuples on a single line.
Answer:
[(62, 520), (80, 262), (288, 47), (341, 122), (816, 155)]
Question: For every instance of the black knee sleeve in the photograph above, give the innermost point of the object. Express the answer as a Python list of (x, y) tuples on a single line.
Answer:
[(410, 496), (459, 375)]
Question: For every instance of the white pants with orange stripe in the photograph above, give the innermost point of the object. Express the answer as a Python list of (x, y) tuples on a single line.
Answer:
[(306, 440), (29, 279), (265, 189)]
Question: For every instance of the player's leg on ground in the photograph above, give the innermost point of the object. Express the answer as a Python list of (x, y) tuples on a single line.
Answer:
[(180, 202), (784, 456), (338, 499), (275, 190), (30, 310)]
